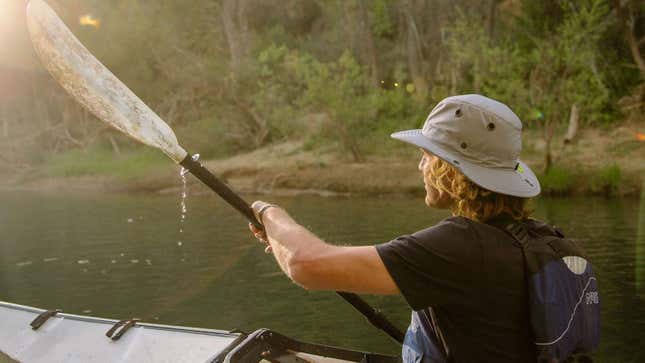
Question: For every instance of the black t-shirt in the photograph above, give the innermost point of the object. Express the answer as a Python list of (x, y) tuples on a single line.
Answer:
[(472, 275)]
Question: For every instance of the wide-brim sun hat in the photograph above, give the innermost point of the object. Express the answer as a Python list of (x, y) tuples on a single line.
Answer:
[(480, 137)]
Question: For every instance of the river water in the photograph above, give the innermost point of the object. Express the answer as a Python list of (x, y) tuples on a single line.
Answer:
[(118, 256)]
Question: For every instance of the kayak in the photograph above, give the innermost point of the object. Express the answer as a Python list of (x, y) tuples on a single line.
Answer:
[(29, 334)]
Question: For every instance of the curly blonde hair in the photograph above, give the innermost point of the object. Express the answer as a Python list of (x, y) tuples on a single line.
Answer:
[(469, 199)]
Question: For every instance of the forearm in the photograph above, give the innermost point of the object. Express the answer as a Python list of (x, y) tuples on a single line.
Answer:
[(316, 265), (291, 243)]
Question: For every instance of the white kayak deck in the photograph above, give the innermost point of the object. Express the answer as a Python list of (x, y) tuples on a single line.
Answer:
[(76, 338)]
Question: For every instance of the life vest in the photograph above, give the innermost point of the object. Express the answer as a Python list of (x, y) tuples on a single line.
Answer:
[(564, 302), (423, 341)]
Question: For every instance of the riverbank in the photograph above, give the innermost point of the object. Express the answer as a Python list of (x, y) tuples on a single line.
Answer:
[(598, 162)]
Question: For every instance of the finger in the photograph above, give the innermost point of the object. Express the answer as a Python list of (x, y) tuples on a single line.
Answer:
[(257, 205), (254, 229)]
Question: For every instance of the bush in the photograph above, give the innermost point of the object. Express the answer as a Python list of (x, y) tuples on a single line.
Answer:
[(607, 180), (207, 137), (558, 181)]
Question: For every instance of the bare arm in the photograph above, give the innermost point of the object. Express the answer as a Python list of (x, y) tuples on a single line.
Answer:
[(316, 265)]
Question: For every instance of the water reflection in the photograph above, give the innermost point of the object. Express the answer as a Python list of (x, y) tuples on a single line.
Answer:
[(220, 278), (640, 248)]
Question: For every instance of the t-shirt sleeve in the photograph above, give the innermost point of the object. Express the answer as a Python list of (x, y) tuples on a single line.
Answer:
[(435, 266)]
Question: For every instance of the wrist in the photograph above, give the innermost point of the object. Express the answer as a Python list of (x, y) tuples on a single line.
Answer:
[(261, 211), (269, 213)]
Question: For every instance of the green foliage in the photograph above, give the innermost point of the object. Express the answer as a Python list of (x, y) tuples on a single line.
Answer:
[(558, 181), (483, 66), (607, 180), (102, 162), (564, 66), (314, 60), (381, 24), (342, 90), (549, 73), (206, 137)]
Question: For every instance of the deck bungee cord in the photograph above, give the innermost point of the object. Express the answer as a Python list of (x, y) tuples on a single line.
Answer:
[(91, 84)]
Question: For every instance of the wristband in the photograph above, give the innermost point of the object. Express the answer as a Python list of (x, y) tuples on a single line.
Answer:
[(264, 209)]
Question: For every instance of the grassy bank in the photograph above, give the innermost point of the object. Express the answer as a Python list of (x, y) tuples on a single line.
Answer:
[(599, 162)]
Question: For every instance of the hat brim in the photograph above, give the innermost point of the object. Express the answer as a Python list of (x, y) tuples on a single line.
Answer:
[(519, 182)]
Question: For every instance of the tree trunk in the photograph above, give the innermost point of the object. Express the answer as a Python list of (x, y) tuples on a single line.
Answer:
[(573, 124), (368, 43), (236, 30), (490, 18), (626, 20), (349, 24), (350, 143), (453, 80), (415, 55), (477, 77)]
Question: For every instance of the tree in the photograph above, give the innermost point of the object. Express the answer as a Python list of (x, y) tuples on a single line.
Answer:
[(233, 15), (416, 63), (626, 10)]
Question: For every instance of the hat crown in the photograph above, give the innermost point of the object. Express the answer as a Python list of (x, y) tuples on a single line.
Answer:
[(480, 129)]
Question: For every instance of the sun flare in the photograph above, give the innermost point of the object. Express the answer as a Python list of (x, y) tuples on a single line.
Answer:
[(89, 20)]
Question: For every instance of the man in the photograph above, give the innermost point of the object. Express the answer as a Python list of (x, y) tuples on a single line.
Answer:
[(462, 277)]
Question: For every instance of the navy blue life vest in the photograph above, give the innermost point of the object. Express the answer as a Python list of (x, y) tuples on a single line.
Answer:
[(564, 303)]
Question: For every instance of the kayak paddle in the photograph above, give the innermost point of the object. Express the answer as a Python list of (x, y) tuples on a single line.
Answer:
[(105, 96)]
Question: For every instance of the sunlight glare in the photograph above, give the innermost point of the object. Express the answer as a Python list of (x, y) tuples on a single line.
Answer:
[(89, 20)]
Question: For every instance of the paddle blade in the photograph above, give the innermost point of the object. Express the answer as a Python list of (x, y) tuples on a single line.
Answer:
[(93, 85)]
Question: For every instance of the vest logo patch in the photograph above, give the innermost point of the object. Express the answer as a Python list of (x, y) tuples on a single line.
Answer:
[(577, 265), (592, 298)]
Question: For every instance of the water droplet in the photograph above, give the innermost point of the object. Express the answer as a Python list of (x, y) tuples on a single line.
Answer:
[(184, 194), (134, 261), (83, 262), (130, 220), (179, 243), (148, 262), (113, 261), (50, 259), (24, 263), (87, 311), (122, 254)]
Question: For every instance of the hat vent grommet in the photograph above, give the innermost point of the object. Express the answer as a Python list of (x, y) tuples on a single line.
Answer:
[(463, 145), (458, 113), (490, 126)]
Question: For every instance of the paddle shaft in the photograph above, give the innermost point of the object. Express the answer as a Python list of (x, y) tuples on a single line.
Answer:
[(371, 314), (219, 187), (102, 93), (374, 316)]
